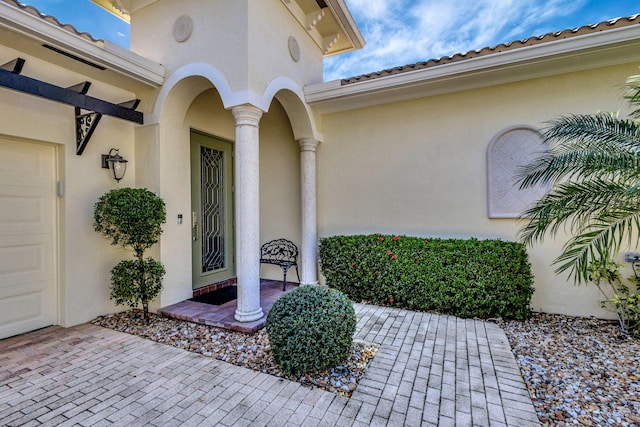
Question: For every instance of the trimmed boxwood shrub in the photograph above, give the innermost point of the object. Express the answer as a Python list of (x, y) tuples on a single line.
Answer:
[(465, 278), (311, 329), (133, 218)]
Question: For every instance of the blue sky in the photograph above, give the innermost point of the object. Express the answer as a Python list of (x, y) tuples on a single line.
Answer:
[(85, 16), (400, 32)]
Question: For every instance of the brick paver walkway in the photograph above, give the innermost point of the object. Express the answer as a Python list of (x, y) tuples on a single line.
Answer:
[(430, 370)]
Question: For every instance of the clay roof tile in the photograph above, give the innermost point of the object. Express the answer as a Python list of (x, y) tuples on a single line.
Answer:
[(502, 47), (52, 20)]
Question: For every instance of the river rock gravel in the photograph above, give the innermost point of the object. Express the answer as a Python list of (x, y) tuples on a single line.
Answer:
[(250, 351), (579, 371)]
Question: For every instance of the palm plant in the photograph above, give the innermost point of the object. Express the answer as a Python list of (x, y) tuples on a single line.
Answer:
[(593, 166)]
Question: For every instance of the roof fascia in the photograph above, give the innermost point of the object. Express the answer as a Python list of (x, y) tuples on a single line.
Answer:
[(496, 68), (109, 55)]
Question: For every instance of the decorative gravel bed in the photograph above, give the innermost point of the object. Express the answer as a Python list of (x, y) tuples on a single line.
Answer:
[(249, 351), (579, 371)]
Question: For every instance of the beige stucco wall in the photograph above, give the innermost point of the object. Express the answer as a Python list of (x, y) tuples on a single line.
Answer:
[(419, 167), (269, 56), (245, 41), (84, 257), (219, 35)]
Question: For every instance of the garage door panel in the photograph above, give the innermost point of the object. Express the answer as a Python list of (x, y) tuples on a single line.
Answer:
[(28, 298), (26, 164), (22, 261), (26, 210), (21, 313), (14, 290)]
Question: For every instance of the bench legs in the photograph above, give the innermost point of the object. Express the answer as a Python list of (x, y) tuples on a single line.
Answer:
[(285, 269)]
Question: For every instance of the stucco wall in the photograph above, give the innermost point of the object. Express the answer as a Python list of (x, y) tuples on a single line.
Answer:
[(269, 55), (419, 167), (245, 41), (84, 258), (219, 35)]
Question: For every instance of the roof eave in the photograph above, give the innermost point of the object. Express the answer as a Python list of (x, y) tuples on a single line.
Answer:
[(342, 14), (340, 35), (502, 67), (106, 54)]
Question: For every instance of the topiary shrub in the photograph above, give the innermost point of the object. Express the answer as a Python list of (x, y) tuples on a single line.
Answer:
[(311, 329), (133, 218), (465, 278)]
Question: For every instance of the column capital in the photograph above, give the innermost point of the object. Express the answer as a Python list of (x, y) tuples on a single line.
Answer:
[(308, 144), (246, 115)]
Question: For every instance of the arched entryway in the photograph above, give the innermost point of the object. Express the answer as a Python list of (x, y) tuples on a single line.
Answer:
[(273, 142)]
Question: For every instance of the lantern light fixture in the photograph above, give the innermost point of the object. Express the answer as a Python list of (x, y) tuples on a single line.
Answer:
[(116, 163)]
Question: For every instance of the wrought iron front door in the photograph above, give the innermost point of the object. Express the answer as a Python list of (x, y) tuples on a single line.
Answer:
[(211, 209)]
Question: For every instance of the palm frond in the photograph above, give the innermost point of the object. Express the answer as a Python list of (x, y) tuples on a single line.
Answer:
[(601, 131), (633, 95), (599, 240), (550, 168), (576, 204), (585, 146), (593, 165)]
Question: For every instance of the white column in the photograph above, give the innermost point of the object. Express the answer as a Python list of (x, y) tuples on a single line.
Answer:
[(247, 212), (309, 250)]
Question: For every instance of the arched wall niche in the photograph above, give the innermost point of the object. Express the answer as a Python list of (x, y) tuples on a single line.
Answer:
[(510, 148)]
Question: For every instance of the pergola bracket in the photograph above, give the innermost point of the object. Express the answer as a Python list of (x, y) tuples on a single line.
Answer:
[(76, 96)]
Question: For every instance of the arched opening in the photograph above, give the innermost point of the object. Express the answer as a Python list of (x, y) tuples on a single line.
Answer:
[(257, 153), (280, 191), (192, 106)]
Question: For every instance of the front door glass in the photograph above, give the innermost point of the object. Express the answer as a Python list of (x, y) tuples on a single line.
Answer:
[(213, 204)]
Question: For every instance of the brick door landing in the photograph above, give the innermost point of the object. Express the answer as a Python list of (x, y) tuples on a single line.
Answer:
[(222, 315)]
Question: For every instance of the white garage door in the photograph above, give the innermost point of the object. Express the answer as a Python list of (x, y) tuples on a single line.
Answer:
[(28, 297)]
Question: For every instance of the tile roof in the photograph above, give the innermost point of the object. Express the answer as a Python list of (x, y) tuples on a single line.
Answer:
[(517, 44), (52, 20)]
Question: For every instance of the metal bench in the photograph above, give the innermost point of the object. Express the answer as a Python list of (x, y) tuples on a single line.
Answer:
[(283, 253)]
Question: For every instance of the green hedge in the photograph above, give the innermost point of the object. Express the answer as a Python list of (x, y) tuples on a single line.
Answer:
[(465, 278)]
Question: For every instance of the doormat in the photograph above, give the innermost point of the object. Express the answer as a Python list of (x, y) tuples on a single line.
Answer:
[(218, 297)]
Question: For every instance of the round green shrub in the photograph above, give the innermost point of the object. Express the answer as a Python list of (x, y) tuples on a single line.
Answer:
[(130, 217), (311, 329), (135, 281)]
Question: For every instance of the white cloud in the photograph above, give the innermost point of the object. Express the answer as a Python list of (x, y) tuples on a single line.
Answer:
[(407, 31), (371, 9)]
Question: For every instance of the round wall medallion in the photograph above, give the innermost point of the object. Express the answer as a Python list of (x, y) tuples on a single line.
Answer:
[(294, 49), (182, 28)]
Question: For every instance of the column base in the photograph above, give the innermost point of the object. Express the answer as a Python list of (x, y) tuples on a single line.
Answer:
[(248, 316), (309, 283)]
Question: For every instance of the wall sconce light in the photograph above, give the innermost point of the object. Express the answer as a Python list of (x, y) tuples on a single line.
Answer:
[(116, 163)]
